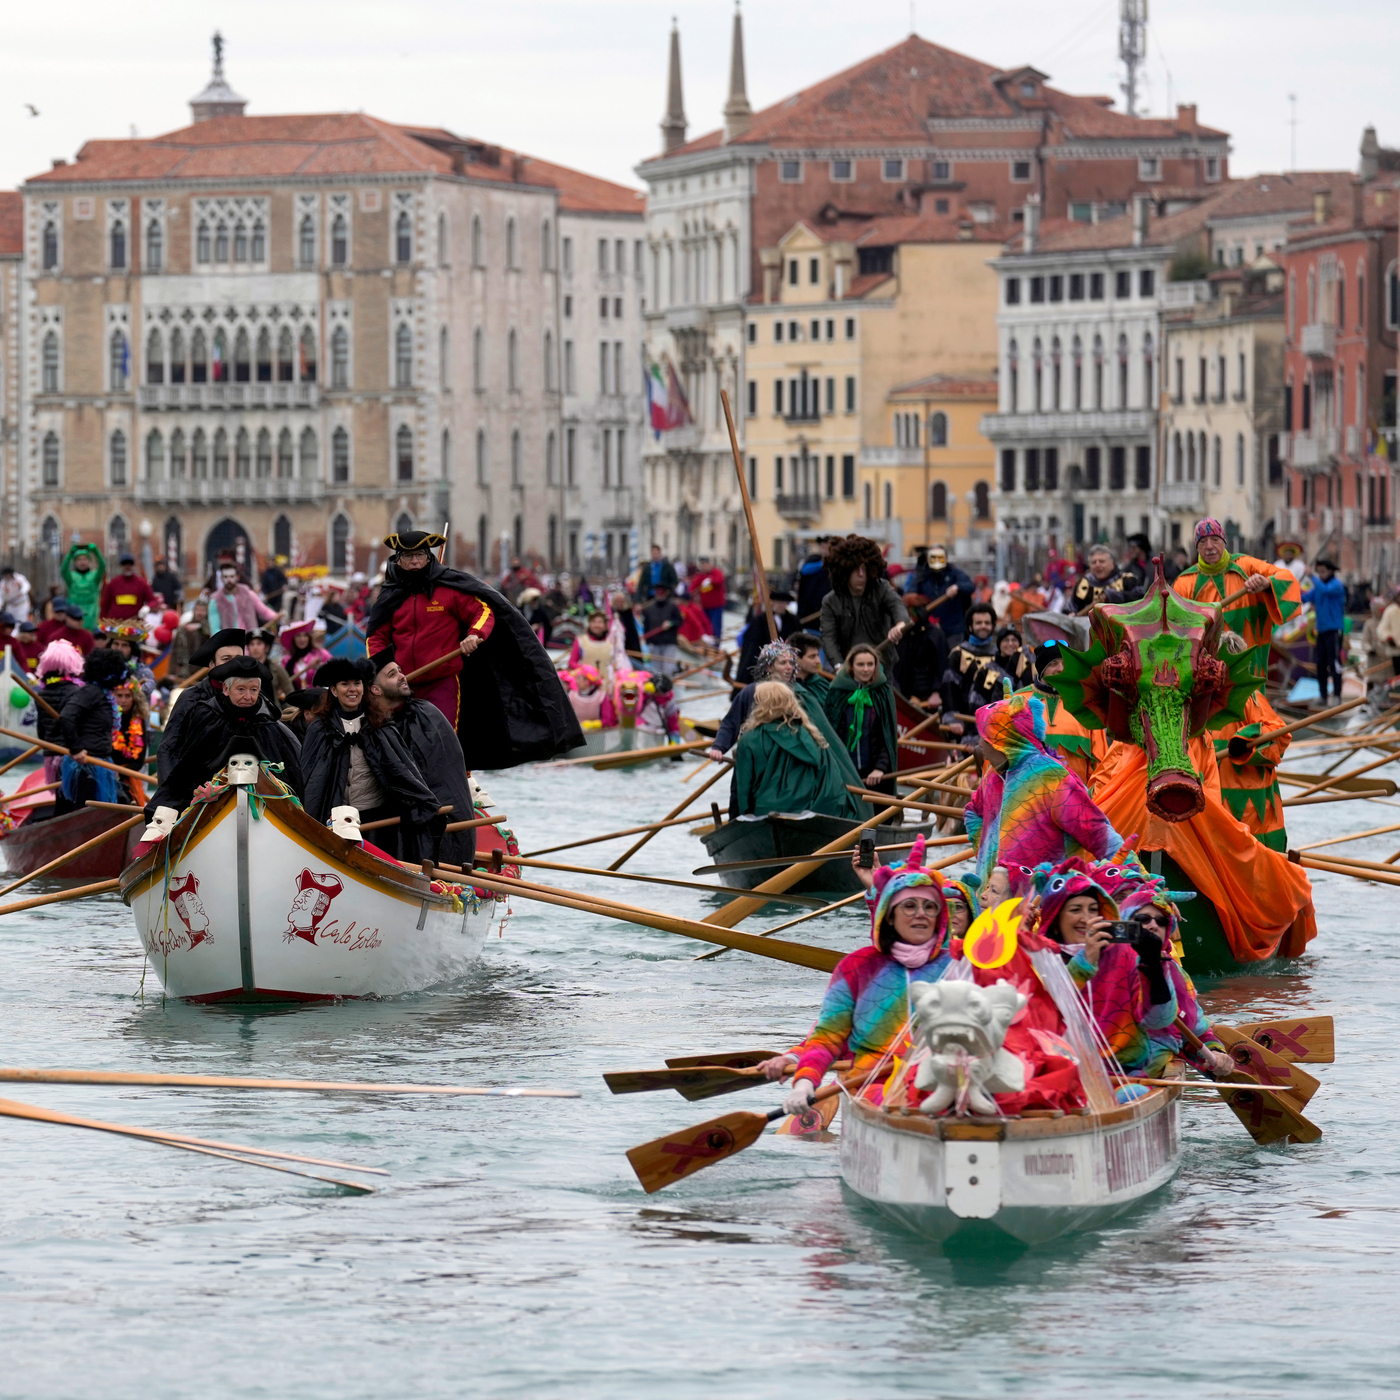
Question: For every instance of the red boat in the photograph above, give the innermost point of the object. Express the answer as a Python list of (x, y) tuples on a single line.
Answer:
[(32, 844)]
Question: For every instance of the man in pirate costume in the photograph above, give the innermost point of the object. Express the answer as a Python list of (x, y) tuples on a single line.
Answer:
[(971, 679), (435, 748), (1105, 582), (1249, 787), (511, 708)]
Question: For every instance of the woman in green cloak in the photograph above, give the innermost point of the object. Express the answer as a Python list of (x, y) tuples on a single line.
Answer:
[(860, 706), (783, 764), (83, 570)]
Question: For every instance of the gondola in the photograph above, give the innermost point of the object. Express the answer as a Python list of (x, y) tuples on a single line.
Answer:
[(33, 843)]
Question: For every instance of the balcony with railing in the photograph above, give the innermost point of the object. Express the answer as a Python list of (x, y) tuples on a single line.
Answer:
[(1318, 341), (800, 506), (200, 396), (891, 456), (266, 490), (1184, 495), (1315, 451)]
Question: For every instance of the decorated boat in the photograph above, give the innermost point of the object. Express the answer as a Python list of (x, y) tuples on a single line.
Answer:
[(249, 899), (1031, 1177), (31, 843)]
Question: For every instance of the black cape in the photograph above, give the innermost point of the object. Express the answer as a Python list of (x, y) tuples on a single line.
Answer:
[(517, 713), (177, 721), (214, 728), (325, 760), (436, 750)]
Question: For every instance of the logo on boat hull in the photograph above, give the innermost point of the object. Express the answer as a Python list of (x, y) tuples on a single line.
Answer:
[(184, 895), (310, 905)]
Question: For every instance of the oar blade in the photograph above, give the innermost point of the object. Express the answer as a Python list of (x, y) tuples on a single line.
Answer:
[(1299, 1040), (669, 1159), (1263, 1066), (707, 1079), (1270, 1118), (732, 1059)]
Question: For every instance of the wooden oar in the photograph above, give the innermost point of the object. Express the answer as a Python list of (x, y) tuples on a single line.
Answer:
[(1307, 780), (626, 831), (694, 670), (394, 821), (769, 862), (21, 794), (759, 573), (623, 758), (942, 809), (730, 1059), (1223, 1085), (1312, 801), (306, 1086), (918, 728), (28, 753), (1240, 749), (1355, 836), (675, 812), (58, 748), (1299, 1039), (801, 919), (96, 841), (928, 784), (799, 954), (39, 699), (476, 822), (1355, 773), (433, 665), (10, 1108), (60, 896), (1334, 867), (727, 890), (113, 806), (694, 1081), (950, 770)]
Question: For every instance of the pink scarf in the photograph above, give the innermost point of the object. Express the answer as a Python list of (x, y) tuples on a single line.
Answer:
[(912, 955)]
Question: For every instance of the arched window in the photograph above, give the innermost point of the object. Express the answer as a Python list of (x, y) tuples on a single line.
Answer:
[(1122, 371), (483, 541), (938, 502), (515, 463), (51, 532), (264, 361), (403, 453), (1239, 459), (478, 361), (50, 253), (308, 355), (1098, 371), (241, 366), (553, 539), (220, 358), (177, 455), (201, 242), (340, 542), (259, 241), (510, 243), (306, 242), (551, 466), (242, 455), (307, 453), (1201, 455), (286, 462), (1055, 358), (199, 455), (938, 431), (1360, 296), (340, 241), (889, 500), (221, 242), (547, 245), (481, 464), (443, 367), (446, 463), (403, 357), (478, 243), (286, 350), (116, 457), (264, 458), (442, 240), (1037, 373), (116, 349), (51, 362), (199, 359), (155, 359), (240, 242), (220, 454), (403, 238), (340, 358), (340, 456), (155, 456), (177, 356), (1077, 374), (118, 535), (117, 242), (549, 360), (1215, 462), (50, 459), (282, 537), (512, 361), (1312, 296), (1149, 378)]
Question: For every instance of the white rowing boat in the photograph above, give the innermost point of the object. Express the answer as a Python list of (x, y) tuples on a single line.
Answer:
[(1033, 1178), (250, 899)]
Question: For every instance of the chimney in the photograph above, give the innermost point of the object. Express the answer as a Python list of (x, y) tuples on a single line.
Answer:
[(1358, 200), (737, 112), (1322, 205), (1186, 116), (1370, 155), (673, 124), (1030, 226), (1142, 204)]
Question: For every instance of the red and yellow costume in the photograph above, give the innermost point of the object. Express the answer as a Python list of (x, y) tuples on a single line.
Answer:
[(427, 625)]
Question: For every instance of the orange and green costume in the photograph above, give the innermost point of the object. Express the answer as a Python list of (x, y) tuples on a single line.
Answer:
[(1249, 788), (1081, 750)]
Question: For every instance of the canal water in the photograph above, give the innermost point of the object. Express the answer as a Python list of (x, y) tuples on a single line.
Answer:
[(511, 1252)]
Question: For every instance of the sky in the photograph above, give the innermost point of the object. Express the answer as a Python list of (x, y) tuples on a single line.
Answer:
[(582, 82)]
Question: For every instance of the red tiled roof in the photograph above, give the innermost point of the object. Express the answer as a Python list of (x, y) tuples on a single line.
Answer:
[(929, 228), (948, 386), (891, 97), (11, 224), (584, 194), (1278, 194)]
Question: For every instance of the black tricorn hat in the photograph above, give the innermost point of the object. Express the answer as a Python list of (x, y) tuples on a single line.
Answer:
[(380, 659), (243, 667), (229, 637), (343, 668), (413, 539)]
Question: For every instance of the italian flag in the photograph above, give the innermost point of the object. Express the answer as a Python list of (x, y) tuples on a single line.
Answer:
[(666, 403)]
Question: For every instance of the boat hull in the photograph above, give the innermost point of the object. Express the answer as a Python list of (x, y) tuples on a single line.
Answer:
[(1032, 1179), (783, 835), (33, 844), (239, 907)]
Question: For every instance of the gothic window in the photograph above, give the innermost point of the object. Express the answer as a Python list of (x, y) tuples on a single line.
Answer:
[(264, 356), (550, 468), (117, 240), (442, 357), (481, 477), (1037, 369), (51, 532), (116, 455), (241, 366), (307, 454), (199, 359), (515, 458), (446, 464), (1013, 368), (510, 243), (1098, 371), (286, 464), (340, 358), (483, 541), (199, 455), (340, 455), (478, 243), (478, 361), (938, 432), (220, 357), (201, 242), (340, 543), (240, 242), (50, 459), (177, 357), (51, 363), (403, 357), (155, 359), (1122, 371), (403, 238), (1055, 374), (155, 456), (259, 249), (220, 454), (118, 535), (403, 453), (285, 350), (513, 361), (547, 245), (1149, 382), (177, 455), (221, 242), (306, 242), (308, 355), (118, 360), (938, 502), (982, 501), (282, 537), (340, 244), (50, 254), (264, 461), (243, 455)]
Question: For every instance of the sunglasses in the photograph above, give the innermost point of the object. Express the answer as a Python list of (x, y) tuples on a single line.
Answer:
[(1158, 920)]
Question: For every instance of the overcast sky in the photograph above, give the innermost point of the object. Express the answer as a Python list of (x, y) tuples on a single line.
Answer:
[(582, 82)]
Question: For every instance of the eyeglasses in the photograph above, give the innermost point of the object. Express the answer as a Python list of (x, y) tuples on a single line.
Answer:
[(921, 906)]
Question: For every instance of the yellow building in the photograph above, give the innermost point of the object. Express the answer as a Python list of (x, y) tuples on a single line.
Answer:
[(867, 331)]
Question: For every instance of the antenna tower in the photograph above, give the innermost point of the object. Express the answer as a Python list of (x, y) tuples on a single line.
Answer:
[(1132, 47)]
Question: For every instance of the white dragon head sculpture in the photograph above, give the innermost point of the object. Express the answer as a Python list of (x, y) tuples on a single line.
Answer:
[(962, 1027)]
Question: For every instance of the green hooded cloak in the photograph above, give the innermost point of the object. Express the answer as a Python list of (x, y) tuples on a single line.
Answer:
[(781, 769), (85, 590)]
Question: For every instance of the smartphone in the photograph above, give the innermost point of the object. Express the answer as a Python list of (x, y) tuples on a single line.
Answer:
[(866, 860), (1123, 932)]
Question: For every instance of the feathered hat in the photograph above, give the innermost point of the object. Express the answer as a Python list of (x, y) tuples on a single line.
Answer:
[(892, 880), (769, 656)]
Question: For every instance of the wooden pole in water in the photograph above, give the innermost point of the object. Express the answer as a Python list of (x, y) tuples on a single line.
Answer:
[(219, 1081), (102, 887), (118, 830)]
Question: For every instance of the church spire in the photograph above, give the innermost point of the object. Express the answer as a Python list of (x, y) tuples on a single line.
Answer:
[(673, 124), (737, 112), (217, 99)]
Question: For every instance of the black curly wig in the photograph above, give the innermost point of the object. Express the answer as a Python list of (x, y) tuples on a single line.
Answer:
[(105, 668), (847, 555)]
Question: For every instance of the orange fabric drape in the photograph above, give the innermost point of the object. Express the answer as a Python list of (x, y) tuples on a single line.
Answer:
[(1263, 900)]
